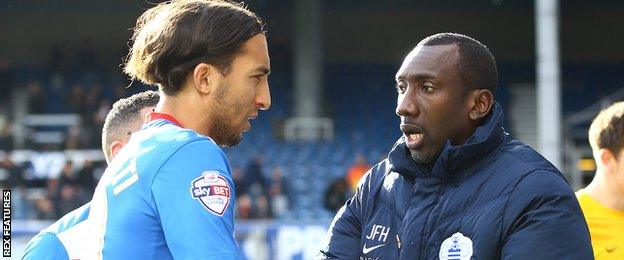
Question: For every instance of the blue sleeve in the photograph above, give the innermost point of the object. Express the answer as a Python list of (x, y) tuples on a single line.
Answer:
[(342, 240), (45, 246), (194, 196), (545, 221)]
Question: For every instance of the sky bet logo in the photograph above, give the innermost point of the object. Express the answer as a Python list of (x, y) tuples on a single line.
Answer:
[(213, 191), (379, 234)]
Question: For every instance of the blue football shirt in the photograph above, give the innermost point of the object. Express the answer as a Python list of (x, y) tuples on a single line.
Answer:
[(61, 240), (168, 194)]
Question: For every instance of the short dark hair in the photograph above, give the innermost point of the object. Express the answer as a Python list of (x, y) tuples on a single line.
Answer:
[(476, 65), (172, 38), (124, 118), (607, 129)]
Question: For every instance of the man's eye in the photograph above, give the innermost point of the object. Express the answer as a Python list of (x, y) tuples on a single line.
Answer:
[(427, 88), (401, 88)]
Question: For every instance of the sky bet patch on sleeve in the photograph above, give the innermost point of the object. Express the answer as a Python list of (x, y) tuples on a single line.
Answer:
[(213, 191)]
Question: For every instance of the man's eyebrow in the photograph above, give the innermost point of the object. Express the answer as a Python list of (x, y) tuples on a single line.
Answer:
[(263, 70), (419, 76)]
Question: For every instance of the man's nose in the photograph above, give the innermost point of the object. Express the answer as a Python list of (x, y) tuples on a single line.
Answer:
[(406, 107), (263, 97)]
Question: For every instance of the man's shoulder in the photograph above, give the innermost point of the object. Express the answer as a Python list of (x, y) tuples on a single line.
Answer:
[(69, 220), (45, 245), (63, 237), (189, 158), (196, 152), (161, 142), (377, 176), (56, 241), (62, 240), (378, 172), (540, 187), (516, 168), (595, 210), (168, 135), (522, 159)]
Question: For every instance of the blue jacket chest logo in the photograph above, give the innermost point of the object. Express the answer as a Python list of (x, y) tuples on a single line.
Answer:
[(456, 247)]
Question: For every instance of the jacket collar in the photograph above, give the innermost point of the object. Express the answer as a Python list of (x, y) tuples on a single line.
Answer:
[(453, 159)]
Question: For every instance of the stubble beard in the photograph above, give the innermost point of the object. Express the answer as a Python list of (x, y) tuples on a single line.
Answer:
[(223, 130), (425, 158), (223, 133)]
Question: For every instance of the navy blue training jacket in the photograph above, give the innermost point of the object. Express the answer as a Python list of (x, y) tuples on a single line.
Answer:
[(491, 198)]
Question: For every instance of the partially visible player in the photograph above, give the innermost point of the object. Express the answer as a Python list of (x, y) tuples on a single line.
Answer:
[(169, 192), (126, 117), (602, 200), (62, 240)]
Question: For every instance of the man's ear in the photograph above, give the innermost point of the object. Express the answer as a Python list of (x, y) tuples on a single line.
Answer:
[(115, 147), (482, 104), (607, 159), (206, 78)]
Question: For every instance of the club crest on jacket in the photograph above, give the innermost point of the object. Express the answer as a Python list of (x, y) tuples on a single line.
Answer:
[(457, 247)]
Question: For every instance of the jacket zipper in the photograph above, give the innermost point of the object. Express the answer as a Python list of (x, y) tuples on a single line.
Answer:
[(426, 230)]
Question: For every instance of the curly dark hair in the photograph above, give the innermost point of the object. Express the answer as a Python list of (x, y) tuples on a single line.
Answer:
[(124, 118)]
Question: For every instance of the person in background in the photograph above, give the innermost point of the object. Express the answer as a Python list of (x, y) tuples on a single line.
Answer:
[(68, 193), (279, 193), (336, 194), (602, 200), (86, 179), (14, 181), (357, 170), (255, 183), (6, 135)]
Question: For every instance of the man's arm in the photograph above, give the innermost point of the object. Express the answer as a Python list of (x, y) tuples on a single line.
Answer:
[(194, 197), (342, 240), (545, 221), (61, 240), (44, 246)]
